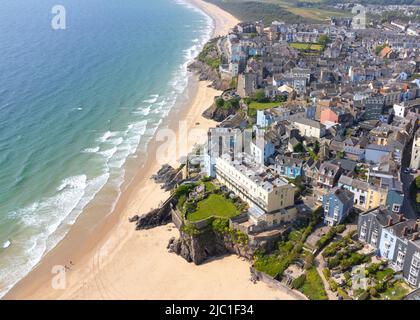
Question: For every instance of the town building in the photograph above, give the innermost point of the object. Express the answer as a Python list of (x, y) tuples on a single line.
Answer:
[(288, 167), (415, 152), (270, 197), (310, 128), (337, 205), (328, 175), (395, 239), (219, 142)]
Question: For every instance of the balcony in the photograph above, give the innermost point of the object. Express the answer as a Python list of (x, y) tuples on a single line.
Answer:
[(414, 271), (258, 201)]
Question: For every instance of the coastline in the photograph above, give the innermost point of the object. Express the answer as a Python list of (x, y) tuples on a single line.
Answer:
[(108, 259)]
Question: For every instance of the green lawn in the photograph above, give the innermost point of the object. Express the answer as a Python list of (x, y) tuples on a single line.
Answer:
[(214, 205), (395, 292), (319, 14), (209, 186), (307, 46), (263, 105), (254, 106), (381, 274), (313, 287)]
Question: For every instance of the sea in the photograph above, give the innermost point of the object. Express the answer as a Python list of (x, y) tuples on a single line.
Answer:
[(76, 104)]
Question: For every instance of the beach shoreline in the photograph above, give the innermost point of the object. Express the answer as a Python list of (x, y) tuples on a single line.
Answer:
[(107, 259)]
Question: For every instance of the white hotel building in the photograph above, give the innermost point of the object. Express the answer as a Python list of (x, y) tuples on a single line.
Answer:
[(270, 197)]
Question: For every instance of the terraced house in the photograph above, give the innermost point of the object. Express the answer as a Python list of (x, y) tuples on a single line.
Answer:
[(287, 166), (337, 205), (395, 239), (366, 195)]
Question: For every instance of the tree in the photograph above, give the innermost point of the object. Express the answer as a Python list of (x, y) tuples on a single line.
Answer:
[(323, 39), (418, 182), (316, 147), (373, 292), (299, 281), (260, 96), (309, 261), (298, 148), (340, 154), (333, 285), (220, 102)]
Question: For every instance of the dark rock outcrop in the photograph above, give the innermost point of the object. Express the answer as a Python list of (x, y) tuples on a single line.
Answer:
[(154, 218), (218, 114), (208, 244), (134, 218), (207, 73)]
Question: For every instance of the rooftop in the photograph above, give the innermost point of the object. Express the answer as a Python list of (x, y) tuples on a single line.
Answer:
[(310, 122), (259, 174)]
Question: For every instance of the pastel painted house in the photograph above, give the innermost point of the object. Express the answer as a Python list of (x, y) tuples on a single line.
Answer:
[(337, 205), (335, 115), (287, 166), (264, 119), (359, 188), (395, 194), (395, 239)]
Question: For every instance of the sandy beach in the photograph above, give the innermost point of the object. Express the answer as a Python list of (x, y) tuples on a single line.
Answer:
[(107, 259)]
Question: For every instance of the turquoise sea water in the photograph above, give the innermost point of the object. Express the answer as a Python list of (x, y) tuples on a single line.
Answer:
[(75, 104)]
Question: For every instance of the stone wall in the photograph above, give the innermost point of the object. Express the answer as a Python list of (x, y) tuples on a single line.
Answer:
[(260, 276), (177, 218)]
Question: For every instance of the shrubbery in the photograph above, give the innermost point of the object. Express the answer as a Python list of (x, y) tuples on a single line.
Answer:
[(333, 285), (299, 281)]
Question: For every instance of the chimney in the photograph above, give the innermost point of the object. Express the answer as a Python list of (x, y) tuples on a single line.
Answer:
[(400, 217), (415, 236), (389, 221), (405, 231), (416, 225)]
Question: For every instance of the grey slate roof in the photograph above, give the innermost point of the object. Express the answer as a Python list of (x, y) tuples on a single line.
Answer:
[(310, 122), (343, 195)]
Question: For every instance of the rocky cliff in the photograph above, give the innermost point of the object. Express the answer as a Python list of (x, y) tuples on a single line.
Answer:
[(154, 218), (207, 73), (218, 114), (207, 244)]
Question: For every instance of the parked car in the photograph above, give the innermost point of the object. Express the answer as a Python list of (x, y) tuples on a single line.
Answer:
[(407, 170)]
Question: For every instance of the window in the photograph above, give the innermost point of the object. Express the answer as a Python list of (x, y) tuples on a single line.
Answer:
[(415, 262), (363, 230), (412, 280), (396, 207), (374, 238), (400, 259)]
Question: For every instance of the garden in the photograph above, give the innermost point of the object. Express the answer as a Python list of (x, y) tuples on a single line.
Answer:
[(204, 199), (356, 275), (292, 251), (260, 102)]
